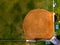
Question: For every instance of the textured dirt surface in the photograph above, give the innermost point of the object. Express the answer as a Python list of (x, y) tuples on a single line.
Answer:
[(38, 24)]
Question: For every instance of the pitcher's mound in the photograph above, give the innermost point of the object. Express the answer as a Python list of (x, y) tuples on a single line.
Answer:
[(38, 24)]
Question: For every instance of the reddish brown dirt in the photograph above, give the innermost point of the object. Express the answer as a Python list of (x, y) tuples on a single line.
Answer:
[(38, 24)]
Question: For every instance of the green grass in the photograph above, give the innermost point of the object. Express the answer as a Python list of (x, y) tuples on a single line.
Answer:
[(57, 8)]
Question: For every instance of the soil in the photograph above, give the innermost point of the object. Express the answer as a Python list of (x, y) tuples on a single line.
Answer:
[(38, 24)]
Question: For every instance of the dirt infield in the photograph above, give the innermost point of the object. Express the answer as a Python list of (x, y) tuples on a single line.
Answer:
[(38, 24)]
